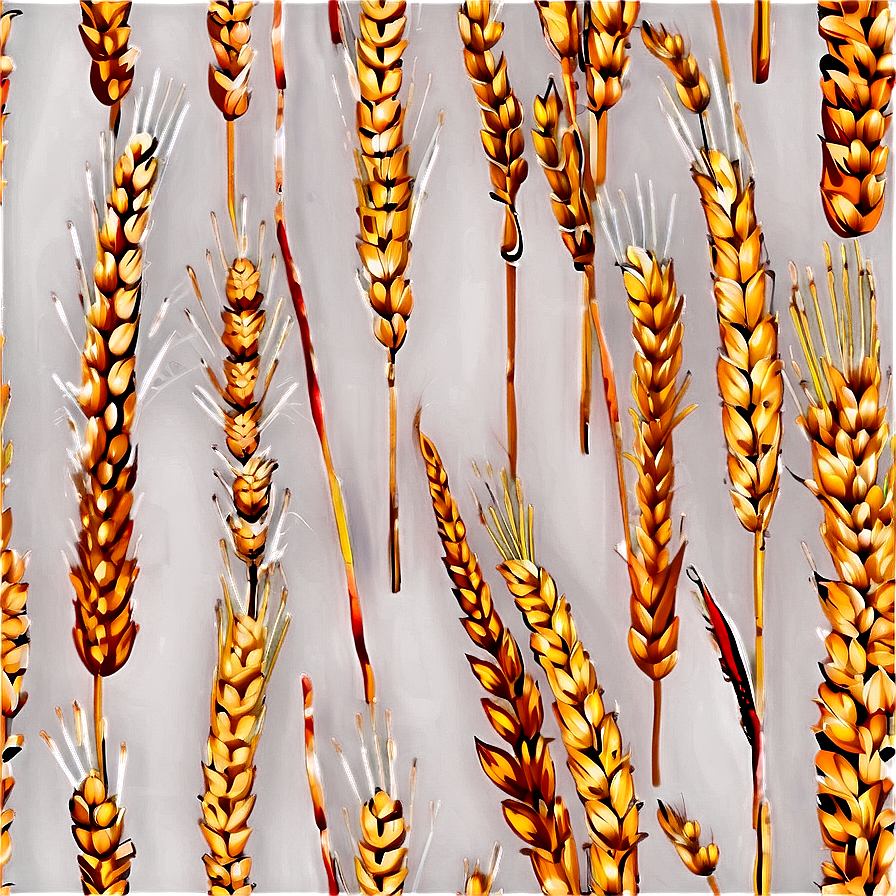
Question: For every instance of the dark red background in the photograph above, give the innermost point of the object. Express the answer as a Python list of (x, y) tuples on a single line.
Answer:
[(450, 368)]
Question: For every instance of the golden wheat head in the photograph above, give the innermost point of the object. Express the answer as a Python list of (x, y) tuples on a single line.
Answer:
[(227, 22), (857, 76), (608, 25), (671, 48), (846, 422), (684, 835), (382, 861)]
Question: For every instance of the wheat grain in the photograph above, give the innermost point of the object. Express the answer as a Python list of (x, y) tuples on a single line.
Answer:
[(684, 835), (97, 815), (105, 32), (600, 768), (857, 76), (247, 649), (846, 422), (534, 812)]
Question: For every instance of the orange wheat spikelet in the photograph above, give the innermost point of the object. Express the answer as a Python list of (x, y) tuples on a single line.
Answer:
[(534, 811), (601, 770), (684, 835), (857, 76), (670, 48), (479, 882), (228, 81), (846, 422)]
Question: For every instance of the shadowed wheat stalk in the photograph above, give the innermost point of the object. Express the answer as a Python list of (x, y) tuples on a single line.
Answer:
[(104, 472), (502, 139), (535, 813), (684, 835), (247, 646), (857, 75), (846, 422), (105, 32), (599, 766), (97, 814), (657, 328)]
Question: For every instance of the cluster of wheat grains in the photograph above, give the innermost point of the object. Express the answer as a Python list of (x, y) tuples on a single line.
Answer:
[(247, 645), (846, 422), (104, 473), (105, 32), (534, 811), (657, 328), (857, 74), (502, 139), (684, 835), (14, 631), (596, 758)]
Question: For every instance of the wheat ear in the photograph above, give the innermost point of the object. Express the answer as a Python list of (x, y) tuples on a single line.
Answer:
[(846, 422), (684, 835), (247, 646), (479, 881), (601, 770), (658, 389), (562, 33), (671, 49), (105, 32), (97, 815), (857, 74), (502, 139), (535, 813), (14, 646)]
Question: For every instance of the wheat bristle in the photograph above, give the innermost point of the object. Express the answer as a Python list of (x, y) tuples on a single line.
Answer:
[(684, 835), (534, 811), (247, 647), (227, 22), (601, 770), (105, 32), (671, 48), (846, 422), (857, 75)]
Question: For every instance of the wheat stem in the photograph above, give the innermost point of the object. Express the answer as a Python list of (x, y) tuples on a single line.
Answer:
[(585, 398), (98, 728), (231, 176), (510, 289), (762, 40), (394, 553), (713, 886), (655, 740), (758, 612)]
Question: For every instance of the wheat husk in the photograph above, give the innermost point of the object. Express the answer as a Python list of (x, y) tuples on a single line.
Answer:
[(105, 32), (534, 811), (684, 834), (846, 422), (857, 74), (228, 80)]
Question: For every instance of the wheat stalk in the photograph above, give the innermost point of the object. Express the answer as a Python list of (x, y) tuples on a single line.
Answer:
[(534, 811), (857, 75), (761, 44), (14, 630), (502, 139), (846, 422), (684, 835), (97, 815), (601, 770), (657, 329), (247, 646), (105, 32)]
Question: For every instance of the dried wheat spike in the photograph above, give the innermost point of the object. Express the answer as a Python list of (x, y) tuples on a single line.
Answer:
[(601, 770), (97, 818), (247, 651), (382, 861), (562, 33), (608, 24), (670, 48), (385, 187), (857, 76), (105, 32), (656, 309), (228, 29), (534, 812), (502, 115), (846, 422), (6, 69), (749, 370), (684, 835), (479, 882), (562, 157), (104, 574)]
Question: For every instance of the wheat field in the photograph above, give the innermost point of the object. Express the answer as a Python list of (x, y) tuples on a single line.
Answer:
[(454, 366)]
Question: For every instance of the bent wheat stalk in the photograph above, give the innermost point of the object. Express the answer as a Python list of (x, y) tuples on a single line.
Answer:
[(857, 74), (535, 813), (657, 329), (846, 422), (247, 646), (502, 139), (601, 770), (684, 835)]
